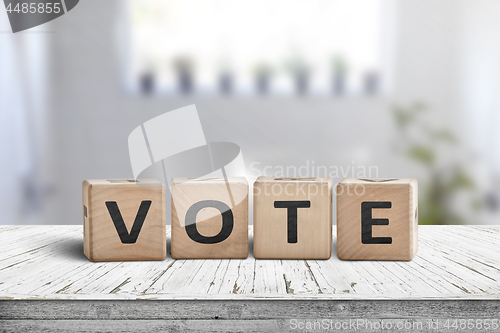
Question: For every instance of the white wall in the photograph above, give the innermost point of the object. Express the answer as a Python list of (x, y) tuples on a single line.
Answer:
[(479, 96), (23, 115)]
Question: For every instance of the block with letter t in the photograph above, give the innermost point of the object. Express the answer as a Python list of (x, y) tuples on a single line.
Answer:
[(292, 218), (124, 220), (377, 219), (209, 218)]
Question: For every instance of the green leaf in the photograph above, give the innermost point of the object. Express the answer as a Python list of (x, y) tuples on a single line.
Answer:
[(460, 180), (421, 154), (444, 135), (402, 118)]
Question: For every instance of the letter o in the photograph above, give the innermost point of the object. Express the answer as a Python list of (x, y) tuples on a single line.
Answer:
[(227, 222)]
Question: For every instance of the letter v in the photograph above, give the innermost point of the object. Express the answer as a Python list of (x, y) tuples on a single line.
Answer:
[(120, 226)]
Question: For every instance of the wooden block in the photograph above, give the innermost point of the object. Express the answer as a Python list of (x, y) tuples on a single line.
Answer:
[(209, 218), (124, 220), (292, 218), (377, 219)]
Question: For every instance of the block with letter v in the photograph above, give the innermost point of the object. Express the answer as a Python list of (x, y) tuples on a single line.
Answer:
[(124, 220)]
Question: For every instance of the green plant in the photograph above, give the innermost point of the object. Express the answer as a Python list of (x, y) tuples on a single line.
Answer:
[(423, 144)]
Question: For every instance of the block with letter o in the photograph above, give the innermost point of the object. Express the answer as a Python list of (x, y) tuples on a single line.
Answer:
[(209, 218)]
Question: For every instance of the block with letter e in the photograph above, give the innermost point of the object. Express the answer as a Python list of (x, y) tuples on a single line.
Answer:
[(209, 218), (292, 218), (124, 220), (377, 219)]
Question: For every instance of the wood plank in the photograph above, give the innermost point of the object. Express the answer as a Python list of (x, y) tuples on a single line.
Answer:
[(245, 309), (142, 325), (298, 278), (239, 279)]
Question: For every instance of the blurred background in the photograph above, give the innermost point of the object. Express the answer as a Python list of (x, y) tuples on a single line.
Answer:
[(409, 88)]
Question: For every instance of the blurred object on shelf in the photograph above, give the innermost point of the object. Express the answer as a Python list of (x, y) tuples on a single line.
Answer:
[(184, 68), (147, 81), (148, 78), (262, 76), (226, 83), (339, 75), (226, 78), (300, 72), (492, 196), (371, 83), (417, 140)]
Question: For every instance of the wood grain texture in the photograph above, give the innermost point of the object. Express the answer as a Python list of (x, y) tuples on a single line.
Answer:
[(416, 324), (47, 263), (234, 315), (371, 201), (261, 309), (102, 241), (311, 238), (232, 242)]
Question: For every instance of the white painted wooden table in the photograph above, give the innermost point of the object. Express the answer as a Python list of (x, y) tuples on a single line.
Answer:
[(455, 273)]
